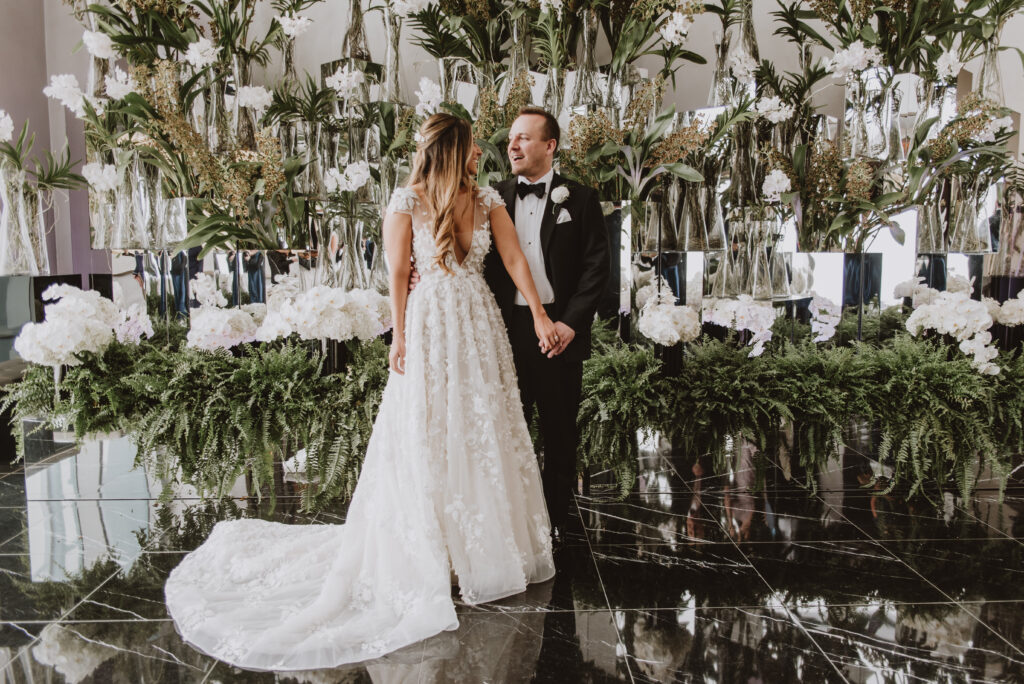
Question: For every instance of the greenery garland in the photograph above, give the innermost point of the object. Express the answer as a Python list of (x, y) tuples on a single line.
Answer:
[(209, 418)]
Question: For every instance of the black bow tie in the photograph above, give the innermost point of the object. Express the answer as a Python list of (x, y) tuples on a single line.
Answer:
[(538, 189)]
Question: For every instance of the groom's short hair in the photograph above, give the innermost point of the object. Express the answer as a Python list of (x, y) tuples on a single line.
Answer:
[(552, 131)]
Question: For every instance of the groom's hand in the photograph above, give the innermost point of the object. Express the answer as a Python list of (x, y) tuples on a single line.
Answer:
[(565, 336)]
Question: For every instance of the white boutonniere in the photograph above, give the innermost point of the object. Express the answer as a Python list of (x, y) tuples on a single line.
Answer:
[(558, 197), (560, 194)]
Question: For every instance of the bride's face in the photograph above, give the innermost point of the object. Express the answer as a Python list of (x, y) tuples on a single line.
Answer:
[(474, 159)]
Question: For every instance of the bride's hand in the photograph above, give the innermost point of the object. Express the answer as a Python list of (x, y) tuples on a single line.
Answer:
[(396, 358), (545, 330)]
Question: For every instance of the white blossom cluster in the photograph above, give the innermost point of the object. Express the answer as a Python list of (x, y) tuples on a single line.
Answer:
[(326, 313), (294, 26), (964, 319), (552, 6), (743, 67), (743, 313), (119, 84), (99, 44), (994, 127), (254, 97), (100, 177), (407, 8), (345, 81), (429, 98), (853, 59), (676, 28), (77, 322), (65, 88), (6, 127), (355, 176), (648, 288), (213, 327), (205, 291), (948, 66), (1011, 312), (72, 656), (774, 109), (667, 324), (201, 53), (775, 184), (825, 317)]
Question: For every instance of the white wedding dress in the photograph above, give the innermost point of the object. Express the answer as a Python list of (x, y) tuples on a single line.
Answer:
[(449, 483)]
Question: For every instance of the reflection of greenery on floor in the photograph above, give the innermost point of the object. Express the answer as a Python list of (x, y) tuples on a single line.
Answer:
[(217, 416)]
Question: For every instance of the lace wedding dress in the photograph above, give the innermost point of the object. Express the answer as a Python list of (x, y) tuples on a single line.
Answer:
[(449, 484)]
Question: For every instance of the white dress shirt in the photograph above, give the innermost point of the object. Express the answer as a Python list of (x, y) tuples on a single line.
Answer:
[(528, 216)]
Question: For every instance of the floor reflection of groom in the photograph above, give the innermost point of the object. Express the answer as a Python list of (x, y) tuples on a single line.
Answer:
[(561, 231)]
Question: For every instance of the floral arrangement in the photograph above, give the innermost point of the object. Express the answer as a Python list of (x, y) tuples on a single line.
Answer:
[(664, 323), (743, 314), (214, 328), (77, 322), (825, 317), (324, 313)]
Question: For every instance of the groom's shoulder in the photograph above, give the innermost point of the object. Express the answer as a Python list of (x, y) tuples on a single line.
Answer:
[(578, 190)]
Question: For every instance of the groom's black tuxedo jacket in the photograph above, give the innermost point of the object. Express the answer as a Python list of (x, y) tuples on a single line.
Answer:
[(575, 258)]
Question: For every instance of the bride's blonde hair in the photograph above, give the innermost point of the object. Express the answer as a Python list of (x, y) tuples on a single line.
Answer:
[(442, 166)]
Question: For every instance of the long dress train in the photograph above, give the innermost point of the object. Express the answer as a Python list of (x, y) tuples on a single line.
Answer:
[(449, 483)]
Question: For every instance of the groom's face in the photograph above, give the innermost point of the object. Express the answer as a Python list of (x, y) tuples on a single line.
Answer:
[(530, 151)]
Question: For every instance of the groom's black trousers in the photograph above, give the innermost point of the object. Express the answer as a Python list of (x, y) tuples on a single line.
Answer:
[(554, 387)]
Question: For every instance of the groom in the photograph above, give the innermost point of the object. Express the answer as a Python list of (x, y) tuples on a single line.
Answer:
[(561, 231)]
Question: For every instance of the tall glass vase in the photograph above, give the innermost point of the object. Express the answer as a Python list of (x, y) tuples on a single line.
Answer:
[(554, 90), (870, 125), (990, 79), (969, 231), (762, 236), (393, 35), (354, 43), (587, 91), (22, 226)]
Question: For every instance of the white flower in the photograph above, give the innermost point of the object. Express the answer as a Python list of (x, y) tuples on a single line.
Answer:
[(407, 8), (854, 59), (907, 288), (354, 177), (758, 341), (650, 292), (345, 81), (119, 84), (743, 313), (553, 6), (667, 324), (133, 324), (956, 283), (75, 323), (201, 53), (775, 183), (6, 127), (99, 45), (64, 87), (560, 194), (101, 177), (993, 128), (430, 97), (205, 291), (328, 313), (1011, 313), (215, 328), (254, 97), (948, 66), (676, 28), (743, 67), (825, 317), (293, 27), (774, 109), (951, 313), (74, 657)]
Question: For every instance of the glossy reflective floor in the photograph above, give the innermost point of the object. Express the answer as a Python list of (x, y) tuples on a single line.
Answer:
[(695, 577)]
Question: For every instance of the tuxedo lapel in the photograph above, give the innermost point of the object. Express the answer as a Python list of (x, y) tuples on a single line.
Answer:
[(509, 195), (547, 222)]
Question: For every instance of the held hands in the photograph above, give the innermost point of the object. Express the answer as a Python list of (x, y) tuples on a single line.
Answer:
[(546, 333), (563, 336), (396, 358)]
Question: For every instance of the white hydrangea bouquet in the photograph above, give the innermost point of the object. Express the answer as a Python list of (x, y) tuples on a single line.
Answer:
[(77, 322)]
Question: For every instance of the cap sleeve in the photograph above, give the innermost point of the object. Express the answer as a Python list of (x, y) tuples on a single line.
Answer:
[(403, 201), (491, 199)]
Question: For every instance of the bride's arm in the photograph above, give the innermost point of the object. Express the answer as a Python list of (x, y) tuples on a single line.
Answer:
[(507, 243), (398, 248)]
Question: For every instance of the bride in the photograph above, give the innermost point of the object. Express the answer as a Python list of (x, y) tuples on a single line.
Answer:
[(450, 489)]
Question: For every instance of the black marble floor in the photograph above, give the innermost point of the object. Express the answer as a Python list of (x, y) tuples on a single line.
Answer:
[(693, 577)]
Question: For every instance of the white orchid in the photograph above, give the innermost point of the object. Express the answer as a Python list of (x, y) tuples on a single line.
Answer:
[(775, 184), (65, 88), (119, 84), (430, 97), (345, 81), (743, 67), (825, 317), (100, 177), (201, 53), (948, 66), (133, 324), (294, 26), (743, 314), (966, 320), (676, 28), (205, 291), (407, 8), (855, 58), (6, 127), (254, 97), (355, 176), (99, 45), (774, 109), (215, 328), (667, 324)]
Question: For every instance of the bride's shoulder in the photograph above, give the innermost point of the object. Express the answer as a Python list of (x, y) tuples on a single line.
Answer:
[(403, 200), (490, 198)]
